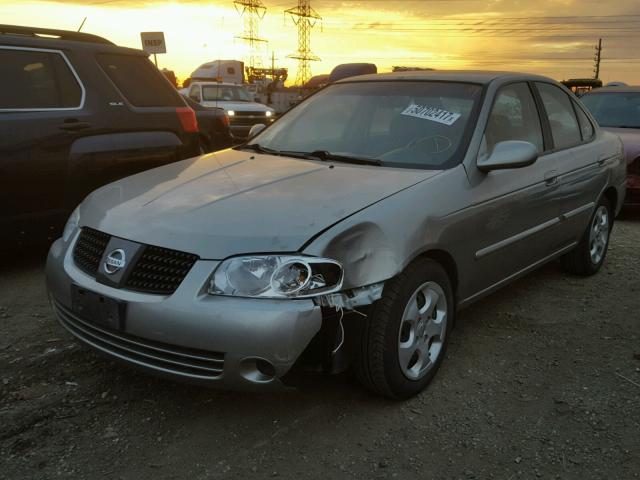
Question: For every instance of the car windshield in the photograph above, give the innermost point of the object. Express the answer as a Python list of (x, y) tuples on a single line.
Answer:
[(229, 93), (615, 109), (416, 124)]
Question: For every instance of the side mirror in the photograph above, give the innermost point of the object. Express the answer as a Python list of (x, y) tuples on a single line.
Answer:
[(257, 100), (509, 154), (256, 129)]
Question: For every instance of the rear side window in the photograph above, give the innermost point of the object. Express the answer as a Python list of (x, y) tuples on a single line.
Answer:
[(139, 81), (586, 128), (514, 117), (36, 80), (562, 118)]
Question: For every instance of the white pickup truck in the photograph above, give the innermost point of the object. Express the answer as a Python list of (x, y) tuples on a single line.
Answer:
[(243, 110)]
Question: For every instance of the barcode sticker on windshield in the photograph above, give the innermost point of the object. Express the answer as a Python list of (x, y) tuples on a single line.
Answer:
[(431, 113)]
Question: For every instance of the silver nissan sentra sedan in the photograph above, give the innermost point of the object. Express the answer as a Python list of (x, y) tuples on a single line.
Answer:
[(345, 235)]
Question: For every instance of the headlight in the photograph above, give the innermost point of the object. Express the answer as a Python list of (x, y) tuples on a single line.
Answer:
[(231, 113), (71, 225), (269, 113), (276, 276)]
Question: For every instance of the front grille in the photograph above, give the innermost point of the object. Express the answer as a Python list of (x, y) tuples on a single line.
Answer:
[(89, 249), (250, 114), (247, 121), (163, 357), (160, 270)]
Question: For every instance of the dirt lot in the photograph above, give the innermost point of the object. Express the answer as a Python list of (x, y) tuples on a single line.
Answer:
[(542, 380)]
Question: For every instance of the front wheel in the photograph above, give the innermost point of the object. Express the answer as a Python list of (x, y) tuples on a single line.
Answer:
[(404, 339), (588, 256)]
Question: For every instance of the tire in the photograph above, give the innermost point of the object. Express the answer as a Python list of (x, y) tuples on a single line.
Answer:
[(384, 362), (203, 146), (589, 255)]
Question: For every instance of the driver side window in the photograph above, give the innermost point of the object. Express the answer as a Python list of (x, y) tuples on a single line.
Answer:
[(514, 117)]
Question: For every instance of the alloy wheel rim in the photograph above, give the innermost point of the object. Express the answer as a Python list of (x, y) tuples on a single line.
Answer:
[(422, 330), (599, 235)]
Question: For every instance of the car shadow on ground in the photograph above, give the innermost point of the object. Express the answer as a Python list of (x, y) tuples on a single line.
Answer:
[(13, 260)]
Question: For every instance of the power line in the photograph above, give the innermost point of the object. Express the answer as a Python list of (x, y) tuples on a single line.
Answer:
[(305, 18), (252, 11)]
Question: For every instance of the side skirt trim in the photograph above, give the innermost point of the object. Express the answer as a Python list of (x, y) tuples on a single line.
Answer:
[(514, 276)]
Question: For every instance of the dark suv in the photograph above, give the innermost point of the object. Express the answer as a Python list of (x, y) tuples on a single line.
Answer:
[(77, 112)]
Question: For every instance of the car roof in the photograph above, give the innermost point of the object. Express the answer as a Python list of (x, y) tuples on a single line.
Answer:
[(621, 89), (36, 37), (470, 76)]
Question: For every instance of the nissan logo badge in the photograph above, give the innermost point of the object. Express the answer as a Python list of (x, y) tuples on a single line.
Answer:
[(115, 261)]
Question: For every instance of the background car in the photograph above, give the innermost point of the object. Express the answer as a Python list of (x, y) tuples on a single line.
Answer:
[(617, 110), (213, 125), (78, 112), (244, 112), (395, 202)]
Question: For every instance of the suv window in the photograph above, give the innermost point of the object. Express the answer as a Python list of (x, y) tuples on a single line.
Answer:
[(514, 117), (562, 118), (37, 80), (139, 81), (586, 128), (194, 93)]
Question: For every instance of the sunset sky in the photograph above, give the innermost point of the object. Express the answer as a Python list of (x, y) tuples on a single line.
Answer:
[(551, 37)]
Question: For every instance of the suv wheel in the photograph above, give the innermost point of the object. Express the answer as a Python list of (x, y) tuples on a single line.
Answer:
[(405, 337), (588, 256)]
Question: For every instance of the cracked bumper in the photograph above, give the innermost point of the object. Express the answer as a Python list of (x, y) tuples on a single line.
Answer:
[(189, 335)]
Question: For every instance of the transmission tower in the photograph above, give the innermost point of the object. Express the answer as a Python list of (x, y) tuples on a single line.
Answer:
[(305, 18), (596, 59), (252, 11)]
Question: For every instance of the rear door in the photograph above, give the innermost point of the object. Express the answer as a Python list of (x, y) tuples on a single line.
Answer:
[(144, 118), (573, 162), (40, 101)]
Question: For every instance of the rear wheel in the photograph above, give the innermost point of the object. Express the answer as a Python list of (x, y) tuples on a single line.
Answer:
[(203, 146), (588, 256), (405, 337)]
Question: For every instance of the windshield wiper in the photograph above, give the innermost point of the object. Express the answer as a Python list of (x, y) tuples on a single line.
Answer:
[(627, 126), (256, 147), (327, 156)]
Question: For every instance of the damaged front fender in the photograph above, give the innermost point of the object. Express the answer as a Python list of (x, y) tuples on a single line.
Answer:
[(367, 254)]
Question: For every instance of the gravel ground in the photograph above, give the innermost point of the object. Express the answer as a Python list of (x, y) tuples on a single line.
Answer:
[(542, 380)]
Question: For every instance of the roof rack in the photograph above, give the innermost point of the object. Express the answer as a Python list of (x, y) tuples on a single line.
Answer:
[(51, 33)]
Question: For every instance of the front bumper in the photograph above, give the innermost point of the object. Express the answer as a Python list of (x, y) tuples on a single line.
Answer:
[(189, 335)]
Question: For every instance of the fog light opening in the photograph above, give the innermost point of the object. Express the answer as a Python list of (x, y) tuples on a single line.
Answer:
[(265, 368), (257, 370)]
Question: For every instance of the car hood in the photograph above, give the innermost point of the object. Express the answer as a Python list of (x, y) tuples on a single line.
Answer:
[(630, 139), (235, 202), (238, 106)]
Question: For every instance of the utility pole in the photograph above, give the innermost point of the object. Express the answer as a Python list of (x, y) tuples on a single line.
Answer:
[(305, 18), (252, 11), (597, 58)]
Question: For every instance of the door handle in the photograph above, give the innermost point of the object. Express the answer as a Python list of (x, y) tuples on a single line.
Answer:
[(72, 125), (551, 178), (602, 160)]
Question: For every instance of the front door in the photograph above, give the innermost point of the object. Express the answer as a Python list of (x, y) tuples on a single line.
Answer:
[(514, 218)]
